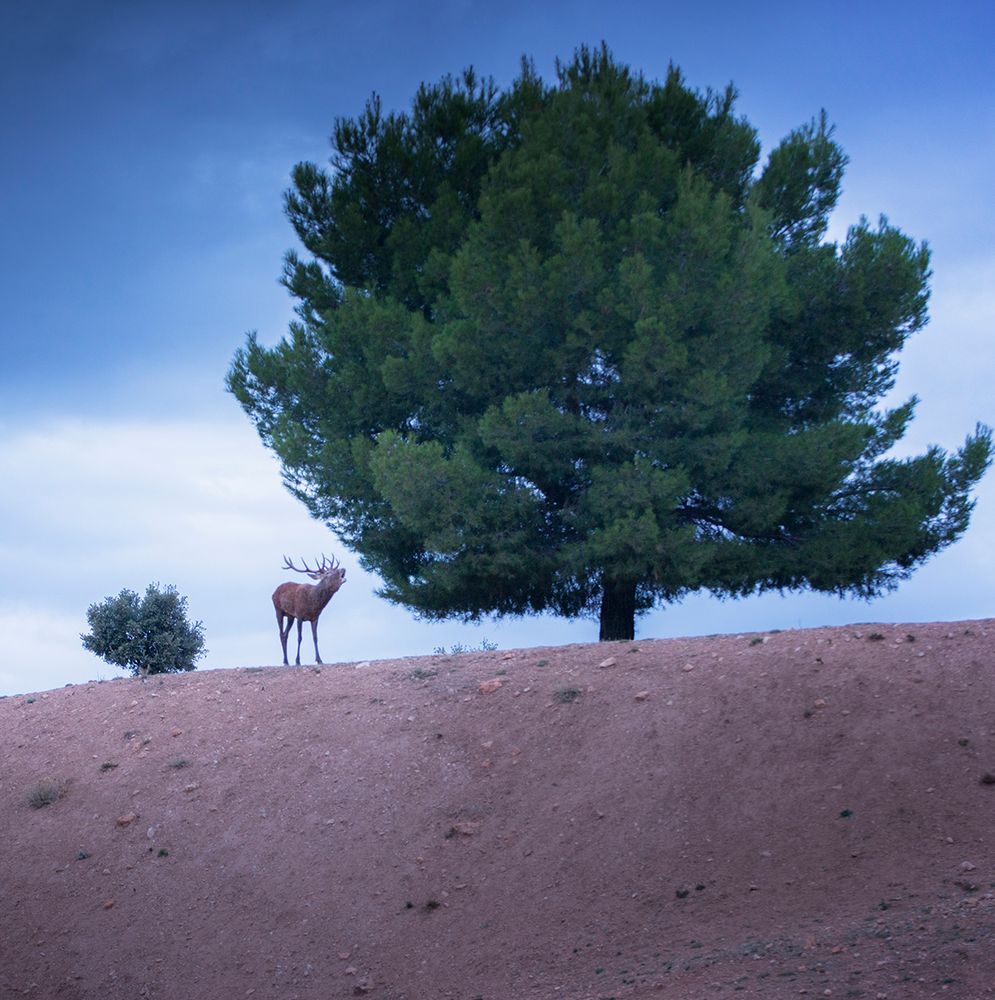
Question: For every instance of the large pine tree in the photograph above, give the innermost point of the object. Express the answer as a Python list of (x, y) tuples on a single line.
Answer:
[(563, 348)]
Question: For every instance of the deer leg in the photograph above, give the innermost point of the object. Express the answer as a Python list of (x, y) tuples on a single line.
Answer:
[(314, 635), (300, 623), (284, 633)]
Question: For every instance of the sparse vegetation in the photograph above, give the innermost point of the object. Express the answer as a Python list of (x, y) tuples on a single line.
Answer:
[(418, 674), (875, 637), (756, 640), (44, 793), (179, 763), (567, 695), (458, 648), (108, 765)]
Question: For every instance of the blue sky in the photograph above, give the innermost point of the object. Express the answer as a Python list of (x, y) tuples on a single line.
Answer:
[(146, 148)]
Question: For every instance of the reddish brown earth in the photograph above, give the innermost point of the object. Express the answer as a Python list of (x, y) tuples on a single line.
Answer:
[(775, 815)]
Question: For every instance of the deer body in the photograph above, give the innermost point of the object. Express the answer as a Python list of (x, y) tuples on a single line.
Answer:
[(304, 602)]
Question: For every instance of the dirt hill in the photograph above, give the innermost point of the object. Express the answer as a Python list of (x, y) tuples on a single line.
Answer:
[(769, 815)]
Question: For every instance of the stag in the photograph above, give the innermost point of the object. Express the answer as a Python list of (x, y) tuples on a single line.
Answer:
[(305, 601)]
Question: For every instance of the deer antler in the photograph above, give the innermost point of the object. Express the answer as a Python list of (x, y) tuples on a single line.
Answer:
[(321, 565), (287, 564)]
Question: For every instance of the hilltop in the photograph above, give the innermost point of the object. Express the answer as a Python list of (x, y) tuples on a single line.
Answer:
[(769, 815)]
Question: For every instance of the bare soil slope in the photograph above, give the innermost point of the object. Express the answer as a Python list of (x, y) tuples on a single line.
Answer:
[(770, 815)]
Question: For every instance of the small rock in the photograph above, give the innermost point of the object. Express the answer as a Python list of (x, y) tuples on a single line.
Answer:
[(642, 695), (687, 667), (345, 955), (466, 827), (108, 904), (359, 666), (126, 819), (508, 656), (365, 985), (610, 662), (967, 866), (351, 970), (489, 687), (177, 732), (192, 787)]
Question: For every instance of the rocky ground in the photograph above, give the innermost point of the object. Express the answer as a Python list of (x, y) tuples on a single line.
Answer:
[(803, 813)]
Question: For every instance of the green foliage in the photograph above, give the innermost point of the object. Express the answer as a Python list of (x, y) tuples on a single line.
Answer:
[(458, 648), (149, 635), (566, 348)]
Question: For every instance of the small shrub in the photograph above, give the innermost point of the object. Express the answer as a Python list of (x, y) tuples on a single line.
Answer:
[(421, 675), (44, 794), (875, 637), (82, 856), (150, 635), (108, 765), (756, 641), (179, 763), (567, 695)]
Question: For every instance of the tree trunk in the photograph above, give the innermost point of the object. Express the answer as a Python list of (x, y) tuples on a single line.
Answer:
[(618, 610)]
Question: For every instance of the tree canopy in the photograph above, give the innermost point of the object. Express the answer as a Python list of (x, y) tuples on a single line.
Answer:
[(566, 347)]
